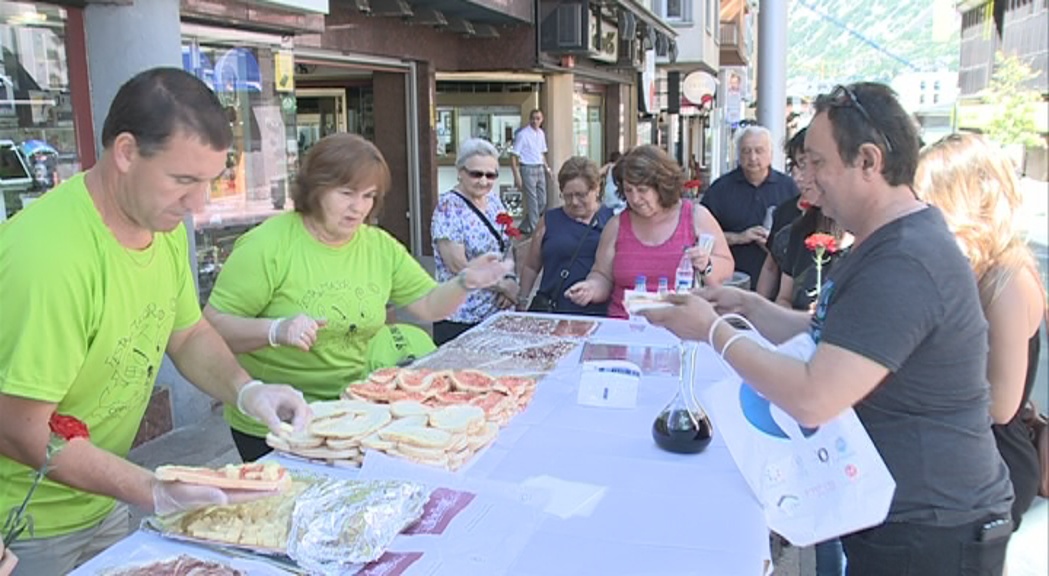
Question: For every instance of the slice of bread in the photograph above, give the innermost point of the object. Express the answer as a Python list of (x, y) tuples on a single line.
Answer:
[(457, 418), (403, 408), (261, 476), (350, 425), (417, 436), (472, 381)]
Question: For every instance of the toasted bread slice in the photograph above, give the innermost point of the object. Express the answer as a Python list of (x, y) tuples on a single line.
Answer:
[(473, 381), (261, 476)]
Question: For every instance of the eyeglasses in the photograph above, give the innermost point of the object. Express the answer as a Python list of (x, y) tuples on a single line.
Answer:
[(572, 197), (843, 97), (477, 174), (796, 165)]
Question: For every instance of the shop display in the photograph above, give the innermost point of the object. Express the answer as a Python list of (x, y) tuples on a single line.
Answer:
[(183, 565)]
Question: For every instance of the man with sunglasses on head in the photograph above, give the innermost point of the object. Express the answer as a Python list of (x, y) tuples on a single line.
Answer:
[(898, 334)]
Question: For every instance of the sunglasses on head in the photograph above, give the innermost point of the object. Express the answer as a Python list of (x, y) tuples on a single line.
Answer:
[(843, 97), (478, 174)]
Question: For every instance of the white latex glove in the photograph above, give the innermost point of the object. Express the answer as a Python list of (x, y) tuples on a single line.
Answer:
[(172, 497), (486, 271), (300, 331), (273, 403)]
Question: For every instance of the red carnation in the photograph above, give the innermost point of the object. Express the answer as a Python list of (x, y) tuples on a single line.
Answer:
[(821, 242), (67, 427), (63, 430), (512, 231), (504, 219)]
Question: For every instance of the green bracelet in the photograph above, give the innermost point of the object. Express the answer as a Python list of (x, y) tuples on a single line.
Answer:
[(461, 279)]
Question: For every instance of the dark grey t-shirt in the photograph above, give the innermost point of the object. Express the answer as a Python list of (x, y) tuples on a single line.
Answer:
[(906, 298)]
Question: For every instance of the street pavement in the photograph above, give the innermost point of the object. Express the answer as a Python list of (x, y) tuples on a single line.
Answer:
[(208, 443)]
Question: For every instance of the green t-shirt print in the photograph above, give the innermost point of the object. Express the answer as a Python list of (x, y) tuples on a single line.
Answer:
[(93, 320), (279, 270)]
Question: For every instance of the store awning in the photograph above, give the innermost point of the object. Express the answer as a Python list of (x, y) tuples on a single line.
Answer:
[(455, 12)]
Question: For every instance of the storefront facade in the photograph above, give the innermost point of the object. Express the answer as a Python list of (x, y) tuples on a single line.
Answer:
[(289, 74), (38, 129)]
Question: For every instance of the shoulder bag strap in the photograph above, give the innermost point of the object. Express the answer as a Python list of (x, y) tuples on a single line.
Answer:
[(487, 222), (565, 271)]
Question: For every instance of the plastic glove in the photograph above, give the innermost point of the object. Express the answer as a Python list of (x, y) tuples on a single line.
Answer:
[(172, 497), (300, 331), (273, 403), (487, 270)]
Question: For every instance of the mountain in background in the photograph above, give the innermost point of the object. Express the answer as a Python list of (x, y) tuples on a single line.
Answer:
[(837, 41)]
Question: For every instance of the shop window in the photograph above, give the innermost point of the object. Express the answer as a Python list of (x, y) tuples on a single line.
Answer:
[(37, 139), (261, 163), (587, 127), (497, 124)]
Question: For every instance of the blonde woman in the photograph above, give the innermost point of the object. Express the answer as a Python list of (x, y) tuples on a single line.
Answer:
[(975, 186)]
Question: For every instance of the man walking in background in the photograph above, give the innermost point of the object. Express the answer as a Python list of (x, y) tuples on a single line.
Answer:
[(528, 162)]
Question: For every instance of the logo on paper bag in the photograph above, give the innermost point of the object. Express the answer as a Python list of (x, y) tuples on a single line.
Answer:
[(758, 411), (444, 505)]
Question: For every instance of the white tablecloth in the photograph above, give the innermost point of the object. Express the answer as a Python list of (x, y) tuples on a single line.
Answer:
[(617, 504)]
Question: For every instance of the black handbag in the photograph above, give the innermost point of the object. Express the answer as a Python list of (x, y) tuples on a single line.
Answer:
[(545, 302)]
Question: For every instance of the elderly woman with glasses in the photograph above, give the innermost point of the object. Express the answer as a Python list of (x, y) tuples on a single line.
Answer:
[(565, 242), (302, 295), (467, 224), (649, 237)]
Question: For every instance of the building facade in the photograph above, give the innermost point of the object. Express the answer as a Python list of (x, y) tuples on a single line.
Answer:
[(689, 81), (416, 77), (1012, 27)]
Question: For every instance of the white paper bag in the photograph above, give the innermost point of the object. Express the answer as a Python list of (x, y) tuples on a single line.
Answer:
[(814, 484)]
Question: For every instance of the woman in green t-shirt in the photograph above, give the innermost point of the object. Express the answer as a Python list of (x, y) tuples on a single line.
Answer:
[(302, 294)]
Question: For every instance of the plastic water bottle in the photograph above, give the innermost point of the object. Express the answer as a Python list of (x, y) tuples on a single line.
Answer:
[(685, 277), (637, 323), (664, 285)]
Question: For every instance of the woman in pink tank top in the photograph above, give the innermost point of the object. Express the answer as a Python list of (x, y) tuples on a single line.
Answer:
[(649, 237)]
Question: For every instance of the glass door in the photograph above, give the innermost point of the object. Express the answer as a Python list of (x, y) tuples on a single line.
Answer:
[(587, 126), (320, 112)]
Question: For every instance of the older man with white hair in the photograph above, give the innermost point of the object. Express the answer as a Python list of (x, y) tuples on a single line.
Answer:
[(743, 199)]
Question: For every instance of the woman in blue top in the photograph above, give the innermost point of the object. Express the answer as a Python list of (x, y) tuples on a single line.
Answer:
[(565, 242)]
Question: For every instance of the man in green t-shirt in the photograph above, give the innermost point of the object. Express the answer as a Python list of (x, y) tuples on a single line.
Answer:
[(96, 286)]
